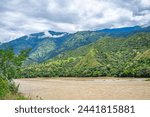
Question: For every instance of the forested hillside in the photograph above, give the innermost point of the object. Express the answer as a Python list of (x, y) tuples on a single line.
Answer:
[(49, 44), (107, 56)]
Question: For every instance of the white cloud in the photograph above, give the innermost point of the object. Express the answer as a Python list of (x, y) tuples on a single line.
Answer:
[(6, 35), (21, 17), (48, 34), (145, 3)]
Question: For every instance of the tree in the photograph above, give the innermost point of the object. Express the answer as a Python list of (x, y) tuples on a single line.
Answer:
[(10, 63)]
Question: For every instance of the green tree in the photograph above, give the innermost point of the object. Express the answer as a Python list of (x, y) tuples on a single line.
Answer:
[(10, 63)]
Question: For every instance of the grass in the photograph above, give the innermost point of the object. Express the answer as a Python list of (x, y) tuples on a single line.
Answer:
[(17, 96)]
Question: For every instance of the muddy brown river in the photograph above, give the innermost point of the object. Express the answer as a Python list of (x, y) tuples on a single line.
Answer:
[(85, 88)]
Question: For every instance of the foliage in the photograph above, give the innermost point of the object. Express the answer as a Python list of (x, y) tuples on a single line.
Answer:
[(44, 47), (9, 90), (10, 64), (4, 88), (14, 88), (122, 57)]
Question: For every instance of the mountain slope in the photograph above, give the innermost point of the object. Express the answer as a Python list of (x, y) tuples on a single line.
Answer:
[(47, 45), (127, 57), (125, 31), (39, 43)]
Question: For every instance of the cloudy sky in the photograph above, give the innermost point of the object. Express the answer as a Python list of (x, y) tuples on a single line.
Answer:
[(22, 17)]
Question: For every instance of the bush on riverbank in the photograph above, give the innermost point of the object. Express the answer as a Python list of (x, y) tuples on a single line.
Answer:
[(9, 69), (4, 88)]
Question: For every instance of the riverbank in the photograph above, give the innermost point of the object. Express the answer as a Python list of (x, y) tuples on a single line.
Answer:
[(85, 88)]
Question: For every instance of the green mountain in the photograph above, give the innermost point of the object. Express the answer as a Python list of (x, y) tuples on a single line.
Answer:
[(47, 45), (106, 56)]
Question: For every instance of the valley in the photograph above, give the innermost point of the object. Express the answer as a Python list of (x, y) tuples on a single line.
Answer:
[(75, 50)]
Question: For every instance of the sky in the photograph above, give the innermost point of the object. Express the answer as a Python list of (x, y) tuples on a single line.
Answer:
[(23, 17)]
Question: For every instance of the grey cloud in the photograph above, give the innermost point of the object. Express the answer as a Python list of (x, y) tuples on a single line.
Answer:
[(21, 17)]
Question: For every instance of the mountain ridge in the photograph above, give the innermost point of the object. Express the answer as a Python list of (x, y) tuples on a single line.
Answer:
[(49, 44)]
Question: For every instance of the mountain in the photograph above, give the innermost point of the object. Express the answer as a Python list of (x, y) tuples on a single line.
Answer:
[(32, 40), (47, 45), (108, 56), (125, 31), (39, 43)]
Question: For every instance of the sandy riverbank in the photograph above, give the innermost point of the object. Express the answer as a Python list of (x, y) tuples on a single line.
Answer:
[(85, 88)]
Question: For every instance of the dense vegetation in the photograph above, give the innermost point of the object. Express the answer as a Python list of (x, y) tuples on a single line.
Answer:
[(10, 64), (122, 52), (108, 56)]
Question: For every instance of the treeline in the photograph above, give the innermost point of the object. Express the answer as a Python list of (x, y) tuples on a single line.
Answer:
[(121, 57), (54, 70)]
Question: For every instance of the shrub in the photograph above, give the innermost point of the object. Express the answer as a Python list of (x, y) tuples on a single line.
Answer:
[(13, 88), (4, 88)]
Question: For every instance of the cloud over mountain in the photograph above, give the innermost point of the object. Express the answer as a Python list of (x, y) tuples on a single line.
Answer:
[(20, 17)]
